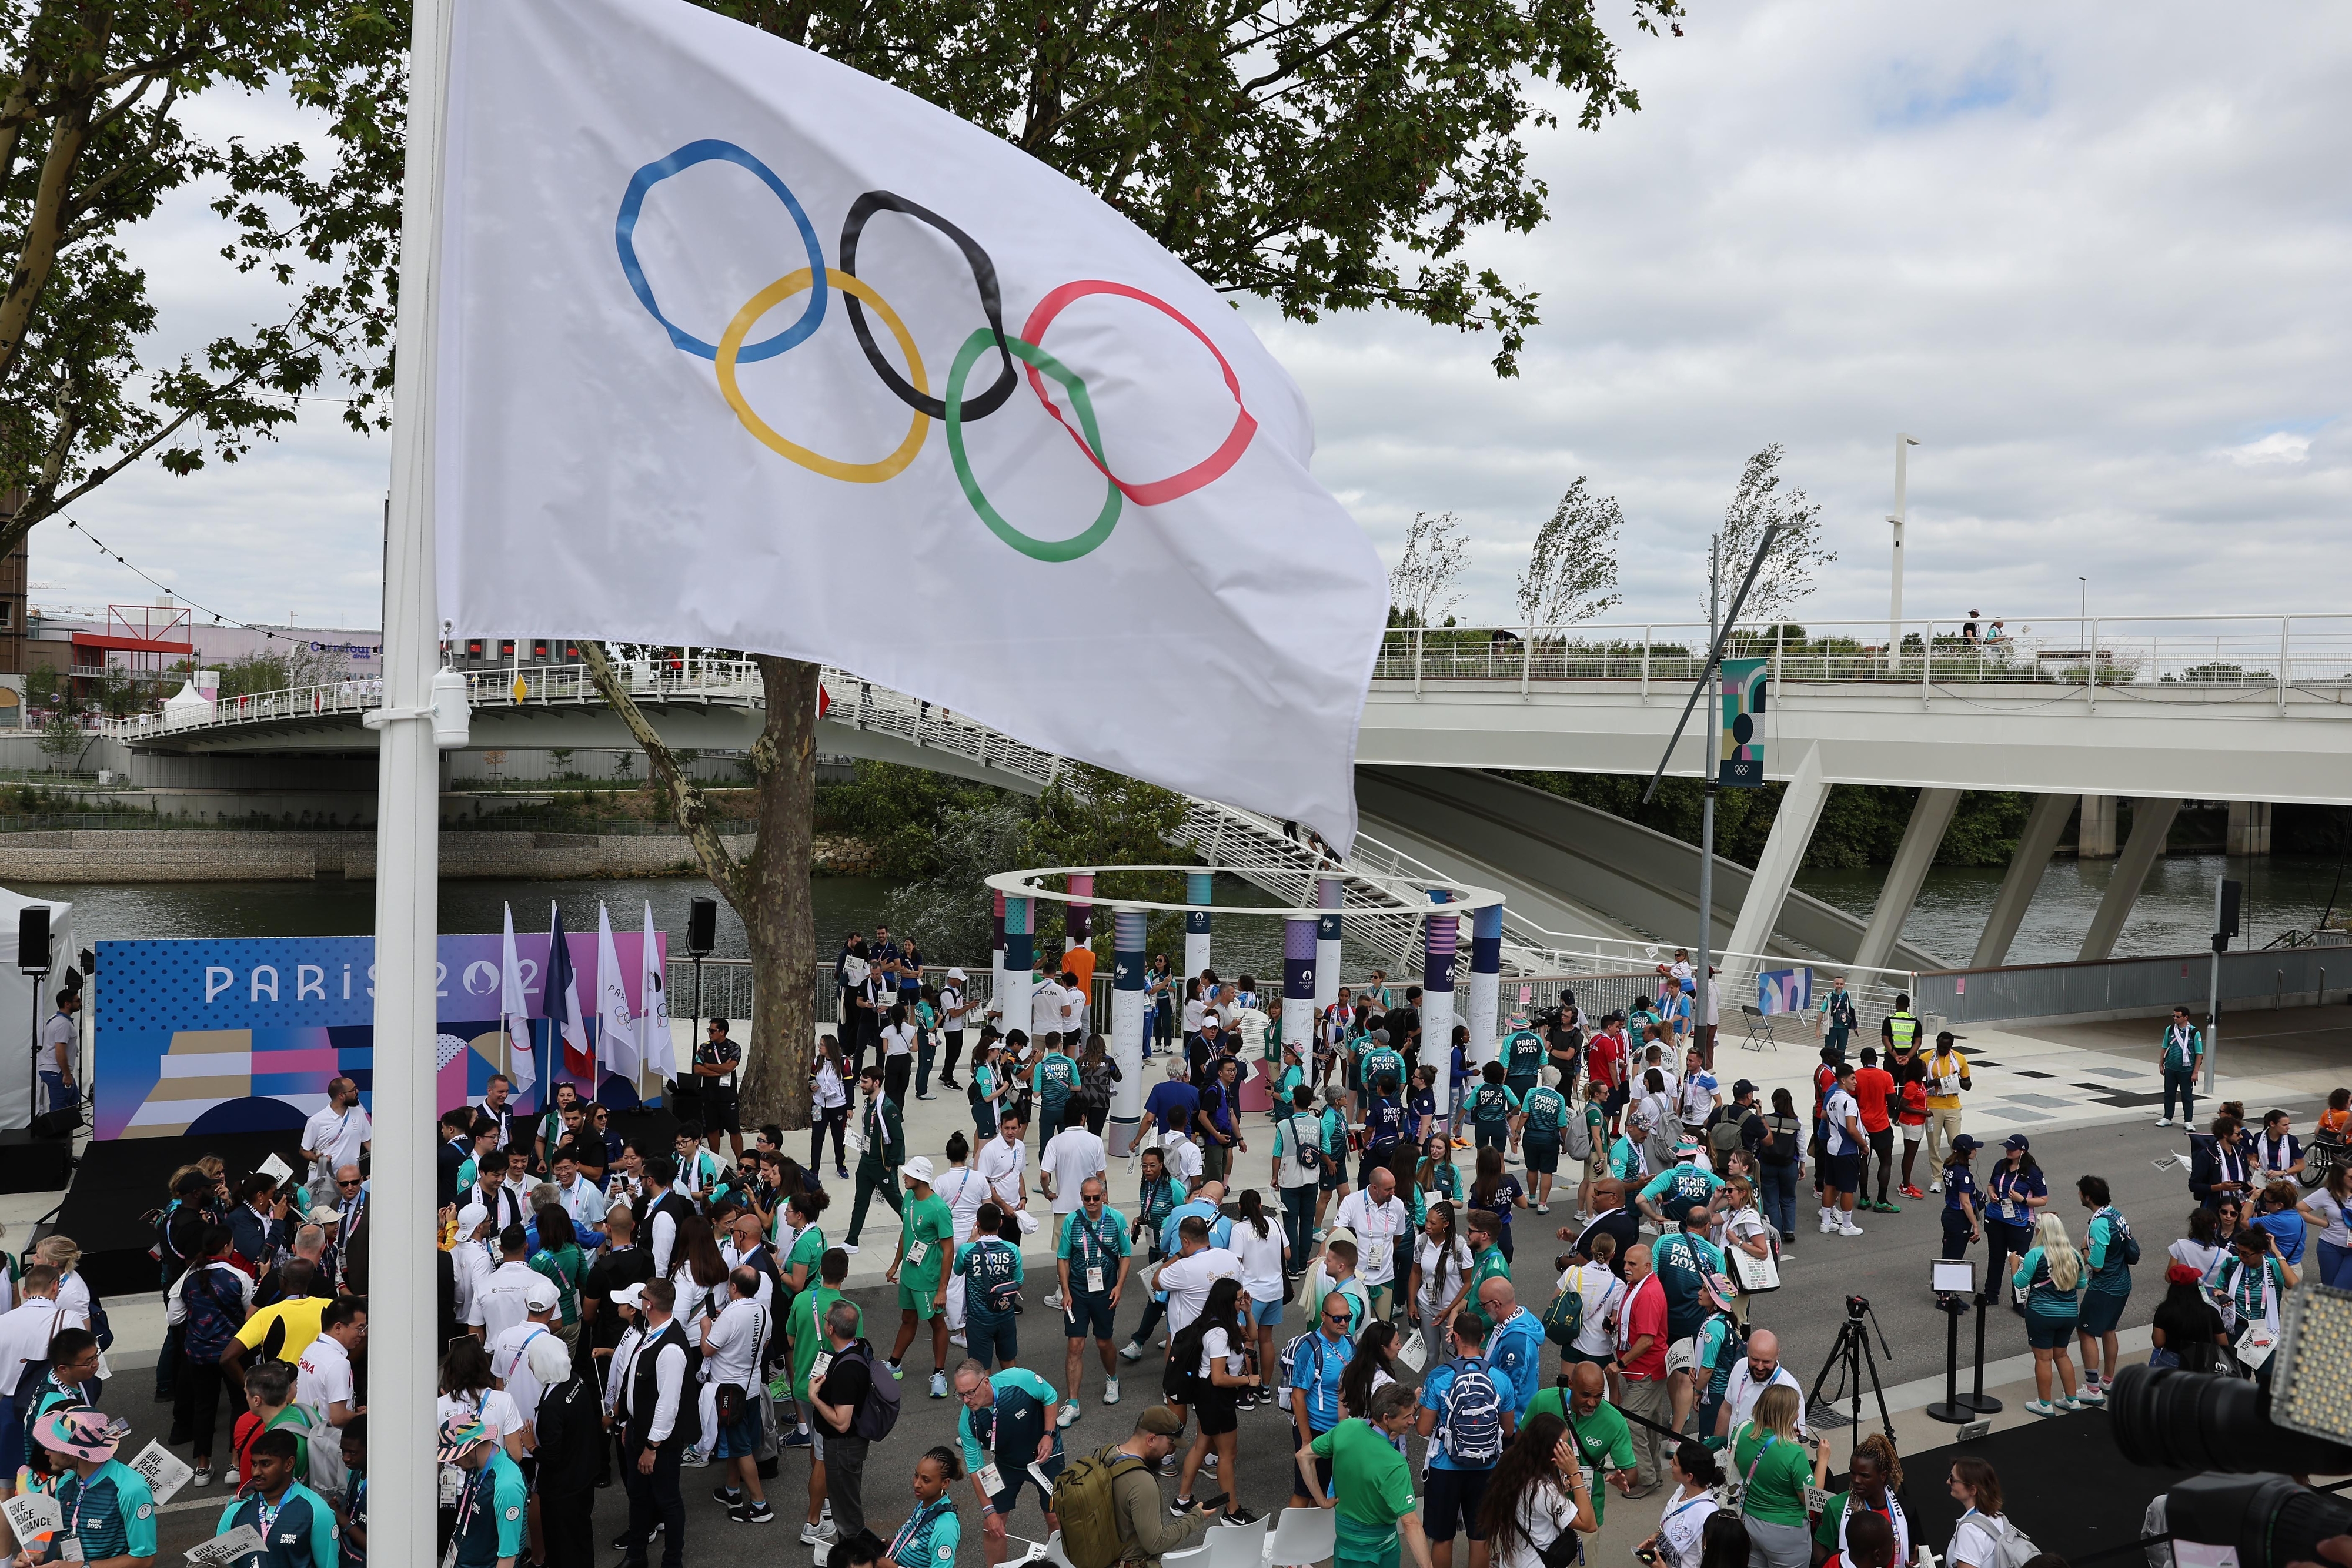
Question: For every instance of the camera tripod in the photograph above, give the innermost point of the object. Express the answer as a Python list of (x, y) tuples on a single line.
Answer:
[(1851, 1358)]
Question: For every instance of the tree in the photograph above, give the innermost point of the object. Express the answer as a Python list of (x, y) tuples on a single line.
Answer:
[(60, 739), (1786, 575), (1574, 560), (949, 910), (1426, 581), (286, 664), (1323, 154), (94, 135)]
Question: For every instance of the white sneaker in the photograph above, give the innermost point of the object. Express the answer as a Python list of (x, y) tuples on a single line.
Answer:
[(817, 1534), (2164, 1121), (1110, 1390), (1069, 1416), (957, 1338), (1129, 1351), (1543, 1208), (1935, 1186), (850, 1247), (1054, 1299), (1829, 1224), (1848, 1228), (202, 1478)]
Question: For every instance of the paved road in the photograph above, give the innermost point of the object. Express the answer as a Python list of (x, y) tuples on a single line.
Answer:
[(1888, 1265)]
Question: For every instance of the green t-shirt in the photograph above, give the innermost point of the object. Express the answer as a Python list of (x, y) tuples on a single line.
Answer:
[(806, 1328), (807, 1248), (929, 1222), (1492, 1104), (1084, 1241), (1604, 1437), (1054, 1079), (1369, 1477), (1547, 1113), (1780, 1473), (1382, 1061), (563, 1268)]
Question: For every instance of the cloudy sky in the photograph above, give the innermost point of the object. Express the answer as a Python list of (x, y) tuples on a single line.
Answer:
[(2093, 256)]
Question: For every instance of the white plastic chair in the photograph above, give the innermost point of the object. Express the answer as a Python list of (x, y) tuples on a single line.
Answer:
[(1053, 1553), (1236, 1545), (1303, 1535), (1198, 1557)]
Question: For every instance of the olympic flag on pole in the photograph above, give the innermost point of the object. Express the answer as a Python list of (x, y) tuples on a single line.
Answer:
[(845, 378)]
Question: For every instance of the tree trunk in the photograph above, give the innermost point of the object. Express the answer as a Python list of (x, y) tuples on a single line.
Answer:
[(778, 921)]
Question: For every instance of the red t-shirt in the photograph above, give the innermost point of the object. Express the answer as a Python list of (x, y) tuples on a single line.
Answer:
[(1824, 1080), (1644, 1312), (1871, 1085), (1607, 1059)]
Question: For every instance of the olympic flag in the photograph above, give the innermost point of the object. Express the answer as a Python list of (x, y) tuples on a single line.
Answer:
[(845, 378)]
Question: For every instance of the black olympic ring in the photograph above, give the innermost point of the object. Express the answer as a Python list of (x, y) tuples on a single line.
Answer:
[(983, 275)]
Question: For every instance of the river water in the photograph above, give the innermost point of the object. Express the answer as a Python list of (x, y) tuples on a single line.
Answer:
[(2174, 913)]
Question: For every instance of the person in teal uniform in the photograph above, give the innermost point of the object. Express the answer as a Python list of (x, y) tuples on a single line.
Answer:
[(493, 1504), (296, 1526), (1053, 1081), (1543, 1118), (987, 1089), (933, 1531), (107, 1509), (1492, 1107), (1523, 1058), (992, 1273)]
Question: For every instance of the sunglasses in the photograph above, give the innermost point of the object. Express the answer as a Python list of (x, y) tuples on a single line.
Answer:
[(1096, 1198), (347, 1184)]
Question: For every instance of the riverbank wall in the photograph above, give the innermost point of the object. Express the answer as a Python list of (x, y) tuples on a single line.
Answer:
[(162, 854)]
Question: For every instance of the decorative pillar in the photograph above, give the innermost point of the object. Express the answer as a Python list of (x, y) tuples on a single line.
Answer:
[(1129, 1020), (1485, 985), (1442, 935), (1020, 952), (1331, 893), (1078, 919), (1301, 980), (996, 962), (1197, 890)]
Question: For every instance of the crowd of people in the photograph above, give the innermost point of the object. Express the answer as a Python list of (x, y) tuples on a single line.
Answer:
[(617, 1312)]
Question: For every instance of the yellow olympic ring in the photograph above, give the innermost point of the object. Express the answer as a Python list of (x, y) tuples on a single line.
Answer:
[(730, 343)]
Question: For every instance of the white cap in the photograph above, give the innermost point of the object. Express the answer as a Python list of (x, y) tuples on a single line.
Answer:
[(539, 1296), (916, 1169), (957, 975), (469, 1219), (633, 1296)]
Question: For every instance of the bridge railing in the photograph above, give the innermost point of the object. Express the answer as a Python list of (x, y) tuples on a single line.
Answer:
[(2277, 651)]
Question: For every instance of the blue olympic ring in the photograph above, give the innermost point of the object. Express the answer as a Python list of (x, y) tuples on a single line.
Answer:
[(624, 228)]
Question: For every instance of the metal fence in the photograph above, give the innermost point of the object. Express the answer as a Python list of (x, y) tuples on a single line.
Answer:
[(2124, 987), (2232, 650)]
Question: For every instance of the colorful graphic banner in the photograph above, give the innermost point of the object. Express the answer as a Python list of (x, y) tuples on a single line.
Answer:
[(1739, 763), (1784, 990), (241, 1035)]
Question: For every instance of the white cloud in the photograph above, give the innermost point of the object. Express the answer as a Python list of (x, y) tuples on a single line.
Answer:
[(2078, 251)]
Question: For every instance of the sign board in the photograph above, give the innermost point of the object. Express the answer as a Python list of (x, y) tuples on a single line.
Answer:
[(1784, 990), (1739, 760), (241, 1035)]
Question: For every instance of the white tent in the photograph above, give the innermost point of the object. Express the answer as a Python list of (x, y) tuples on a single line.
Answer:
[(26, 1004)]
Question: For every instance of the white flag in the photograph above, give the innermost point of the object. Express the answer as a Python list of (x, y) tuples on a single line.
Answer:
[(653, 1033), (514, 1014), (617, 1027), (745, 320)]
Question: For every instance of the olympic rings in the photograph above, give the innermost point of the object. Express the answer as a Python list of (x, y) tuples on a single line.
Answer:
[(1210, 469), (633, 200), (983, 275), (731, 346), (1038, 360)]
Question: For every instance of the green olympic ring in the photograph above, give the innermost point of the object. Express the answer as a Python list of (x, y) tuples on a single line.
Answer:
[(979, 343)]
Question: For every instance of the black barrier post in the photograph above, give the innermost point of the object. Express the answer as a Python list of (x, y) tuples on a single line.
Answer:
[(1951, 1409), (1978, 1400)]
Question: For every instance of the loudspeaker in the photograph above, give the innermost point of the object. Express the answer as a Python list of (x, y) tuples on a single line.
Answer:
[(702, 927), (33, 938)]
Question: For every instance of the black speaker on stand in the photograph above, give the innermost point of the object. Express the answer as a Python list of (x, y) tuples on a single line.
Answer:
[(37, 1156)]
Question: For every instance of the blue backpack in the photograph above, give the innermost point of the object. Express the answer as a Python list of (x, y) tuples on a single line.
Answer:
[(212, 1318), (1473, 1427)]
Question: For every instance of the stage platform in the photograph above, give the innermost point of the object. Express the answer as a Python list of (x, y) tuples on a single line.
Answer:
[(2062, 1483)]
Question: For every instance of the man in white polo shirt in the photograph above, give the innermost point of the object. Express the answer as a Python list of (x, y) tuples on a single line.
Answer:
[(1754, 1373), (334, 1137), (1004, 1164), (322, 1379), (1063, 1165), (1186, 1277), (1382, 1225), (503, 1299)]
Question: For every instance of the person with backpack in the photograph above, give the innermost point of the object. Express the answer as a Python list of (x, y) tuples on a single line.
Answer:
[(856, 1403), (2110, 1249), (1213, 1350), (1107, 1502), (214, 1299), (992, 1270), (1005, 1428), (1468, 1419), (1298, 1165), (1983, 1538)]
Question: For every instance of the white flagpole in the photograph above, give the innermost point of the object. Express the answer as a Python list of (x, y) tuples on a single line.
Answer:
[(402, 1367), (656, 1048), (514, 1015)]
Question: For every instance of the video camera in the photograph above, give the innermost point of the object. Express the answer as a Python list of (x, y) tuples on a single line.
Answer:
[(2218, 1421)]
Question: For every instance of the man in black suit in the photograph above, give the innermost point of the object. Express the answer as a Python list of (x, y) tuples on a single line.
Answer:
[(456, 1148), (1612, 1218)]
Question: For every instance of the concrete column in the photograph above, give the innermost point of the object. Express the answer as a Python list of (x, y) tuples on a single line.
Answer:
[(1444, 934), (1331, 894), (2043, 827), (2151, 822), (1300, 980), (1197, 886), (1776, 871), (1921, 839), (1485, 988), (1129, 1019), (996, 962), (1078, 919), (2249, 827), (2095, 839)]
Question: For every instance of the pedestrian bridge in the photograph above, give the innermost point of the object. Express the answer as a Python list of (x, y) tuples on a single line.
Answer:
[(2252, 710)]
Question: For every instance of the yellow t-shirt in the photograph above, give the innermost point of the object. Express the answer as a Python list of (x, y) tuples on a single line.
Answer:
[(301, 1318), (1948, 1068)]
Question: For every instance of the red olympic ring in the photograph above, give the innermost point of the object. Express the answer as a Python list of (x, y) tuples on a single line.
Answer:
[(1210, 469)]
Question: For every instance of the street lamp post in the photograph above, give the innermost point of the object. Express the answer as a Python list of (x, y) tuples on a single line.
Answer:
[(1903, 445)]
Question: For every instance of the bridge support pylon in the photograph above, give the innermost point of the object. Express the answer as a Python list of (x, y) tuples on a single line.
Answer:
[(1922, 837), (2151, 824), (1784, 851), (2043, 827)]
